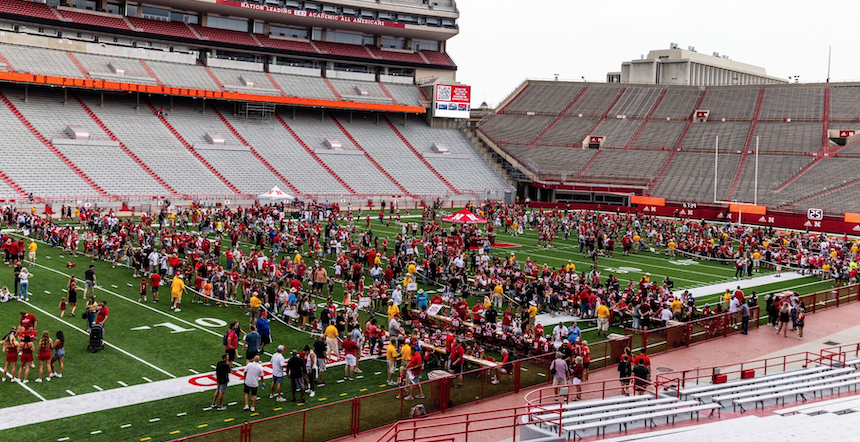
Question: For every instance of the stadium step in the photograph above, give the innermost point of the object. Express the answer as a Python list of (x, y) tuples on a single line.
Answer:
[(333, 90), (150, 72), (13, 185), (191, 148), (606, 112), (314, 155), (647, 119), (9, 67), (589, 163), (50, 146), (79, 65), (122, 146), (559, 116), (420, 157), (747, 144), (366, 154), (799, 174), (388, 94), (254, 152), (825, 139), (275, 84), (194, 31), (214, 78), (653, 184)]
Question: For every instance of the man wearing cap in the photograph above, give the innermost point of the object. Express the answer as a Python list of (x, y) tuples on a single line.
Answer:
[(532, 312), (350, 352), (421, 299), (254, 303), (393, 309), (278, 365), (331, 341), (177, 288), (264, 331)]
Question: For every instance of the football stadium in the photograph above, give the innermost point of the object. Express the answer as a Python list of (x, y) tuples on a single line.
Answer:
[(287, 220)]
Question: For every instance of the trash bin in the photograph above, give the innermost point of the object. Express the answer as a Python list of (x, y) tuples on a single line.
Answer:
[(436, 386)]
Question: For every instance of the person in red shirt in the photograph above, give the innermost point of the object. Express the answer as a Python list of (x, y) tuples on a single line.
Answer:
[(143, 284), (458, 362), (154, 283), (28, 321), (103, 313), (645, 360), (413, 371), (350, 352), (507, 320)]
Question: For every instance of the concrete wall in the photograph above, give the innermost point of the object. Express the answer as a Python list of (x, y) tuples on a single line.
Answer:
[(94, 48)]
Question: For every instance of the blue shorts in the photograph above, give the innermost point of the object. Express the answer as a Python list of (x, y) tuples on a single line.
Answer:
[(278, 379)]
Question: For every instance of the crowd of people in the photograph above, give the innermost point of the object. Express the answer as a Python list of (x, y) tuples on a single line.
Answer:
[(288, 262)]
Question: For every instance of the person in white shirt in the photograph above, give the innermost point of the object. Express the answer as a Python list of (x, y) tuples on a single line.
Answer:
[(277, 375), (253, 376), (397, 296), (5, 295)]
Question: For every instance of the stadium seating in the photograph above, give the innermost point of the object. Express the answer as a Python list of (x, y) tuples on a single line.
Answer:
[(772, 171), (105, 21), (702, 137), (518, 128), (406, 94), (28, 8), (171, 28), (595, 101), (358, 51), (225, 35), (788, 137), (549, 98), (32, 165), (659, 134), (797, 103), (690, 176), (245, 81), (352, 90), (408, 57), (677, 104), (182, 75), (437, 58), (621, 163), (283, 43), (827, 174), (730, 103), (617, 131), (358, 172), (383, 145), (568, 131), (299, 86), (636, 102), (462, 167), (845, 103), (40, 61), (553, 160)]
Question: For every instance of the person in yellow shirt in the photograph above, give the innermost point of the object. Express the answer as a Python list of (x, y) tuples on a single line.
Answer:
[(498, 295), (255, 303), (677, 308), (602, 319), (32, 251), (727, 298), (177, 288), (393, 309), (405, 356), (671, 246), (391, 356), (410, 269), (532, 313), (331, 342), (756, 260), (297, 259), (570, 267)]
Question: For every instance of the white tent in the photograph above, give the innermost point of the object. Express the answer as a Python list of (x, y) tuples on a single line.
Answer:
[(275, 194)]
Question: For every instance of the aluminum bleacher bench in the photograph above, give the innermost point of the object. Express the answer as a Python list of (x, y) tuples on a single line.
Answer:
[(765, 383), (797, 392), (583, 414), (711, 387), (644, 417)]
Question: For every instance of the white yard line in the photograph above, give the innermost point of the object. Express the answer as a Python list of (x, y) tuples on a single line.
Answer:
[(26, 387), (106, 342)]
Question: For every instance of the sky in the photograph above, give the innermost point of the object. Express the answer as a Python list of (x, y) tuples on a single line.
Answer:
[(503, 42)]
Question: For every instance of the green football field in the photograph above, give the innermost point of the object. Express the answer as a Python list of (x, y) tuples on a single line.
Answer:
[(148, 343)]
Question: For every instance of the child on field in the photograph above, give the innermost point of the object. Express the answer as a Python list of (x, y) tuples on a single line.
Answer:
[(62, 306)]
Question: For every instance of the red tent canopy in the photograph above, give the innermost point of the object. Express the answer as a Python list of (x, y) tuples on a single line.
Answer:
[(464, 217)]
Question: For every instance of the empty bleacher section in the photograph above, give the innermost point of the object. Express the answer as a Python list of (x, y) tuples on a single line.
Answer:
[(617, 131), (350, 164), (115, 68), (595, 101), (182, 75), (171, 28), (151, 141), (797, 103), (95, 19), (32, 165), (31, 9), (461, 166), (521, 128), (352, 90), (827, 174), (690, 176), (637, 165), (248, 82), (274, 143), (406, 94), (544, 98), (677, 104), (772, 171), (7, 192), (553, 160), (299, 86), (730, 103), (845, 103), (795, 138), (225, 35), (40, 61), (702, 136), (383, 145), (636, 102), (569, 131), (659, 134)]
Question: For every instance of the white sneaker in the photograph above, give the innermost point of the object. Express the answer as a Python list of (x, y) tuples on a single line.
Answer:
[(271, 396), (177, 310), (358, 370), (280, 399), (59, 375), (312, 394), (48, 379), (253, 409), (39, 380), (245, 408)]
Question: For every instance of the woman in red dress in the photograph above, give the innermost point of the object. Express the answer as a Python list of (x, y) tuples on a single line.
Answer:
[(45, 347), (10, 347), (26, 349)]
